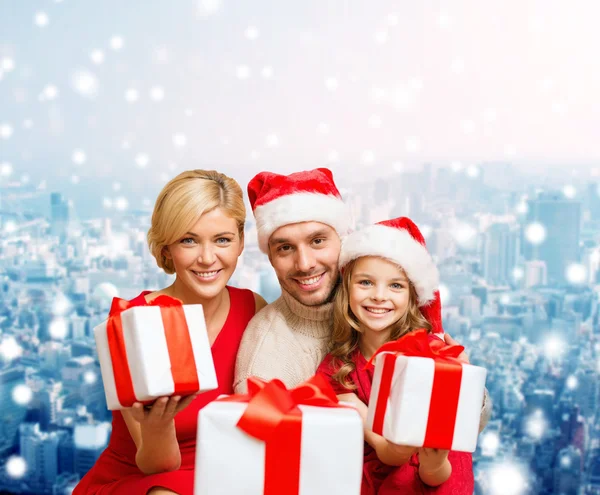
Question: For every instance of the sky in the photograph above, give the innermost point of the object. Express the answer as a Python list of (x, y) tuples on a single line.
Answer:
[(106, 94)]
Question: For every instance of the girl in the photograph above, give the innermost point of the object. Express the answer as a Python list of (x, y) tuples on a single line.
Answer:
[(389, 287), (197, 233)]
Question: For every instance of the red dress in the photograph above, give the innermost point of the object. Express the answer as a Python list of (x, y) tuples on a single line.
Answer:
[(381, 479), (116, 472)]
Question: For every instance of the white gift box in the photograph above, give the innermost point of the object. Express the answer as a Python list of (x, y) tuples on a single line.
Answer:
[(148, 355), (229, 461), (407, 408)]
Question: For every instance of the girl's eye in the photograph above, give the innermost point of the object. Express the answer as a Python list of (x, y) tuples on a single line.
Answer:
[(365, 282), (396, 286)]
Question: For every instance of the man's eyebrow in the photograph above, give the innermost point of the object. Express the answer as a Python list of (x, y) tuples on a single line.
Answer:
[(279, 240), (319, 233)]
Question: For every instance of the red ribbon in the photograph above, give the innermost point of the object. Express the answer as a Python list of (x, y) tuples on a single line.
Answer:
[(445, 390), (273, 416), (179, 345)]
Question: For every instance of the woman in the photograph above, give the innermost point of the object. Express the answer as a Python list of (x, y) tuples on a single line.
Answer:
[(197, 232)]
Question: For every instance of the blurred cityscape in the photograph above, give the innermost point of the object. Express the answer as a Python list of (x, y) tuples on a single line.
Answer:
[(520, 268)]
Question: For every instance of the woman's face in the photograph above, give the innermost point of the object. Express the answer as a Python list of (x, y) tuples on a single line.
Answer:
[(205, 257)]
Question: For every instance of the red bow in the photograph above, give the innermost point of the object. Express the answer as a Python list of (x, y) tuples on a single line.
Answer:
[(119, 305), (420, 343)]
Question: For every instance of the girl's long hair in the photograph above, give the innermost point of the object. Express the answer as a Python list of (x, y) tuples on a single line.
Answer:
[(346, 327)]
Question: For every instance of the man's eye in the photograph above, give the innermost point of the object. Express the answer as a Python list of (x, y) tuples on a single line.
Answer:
[(284, 248), (319, 241)]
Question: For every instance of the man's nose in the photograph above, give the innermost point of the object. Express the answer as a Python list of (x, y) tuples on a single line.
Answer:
[(305, 260)]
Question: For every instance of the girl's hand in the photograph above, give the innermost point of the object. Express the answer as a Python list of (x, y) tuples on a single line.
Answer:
[(161, 413), (360, 406), (401, 450), (463, 355), (432, 459)]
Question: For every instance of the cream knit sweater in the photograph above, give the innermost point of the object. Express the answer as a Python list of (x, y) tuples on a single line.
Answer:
[(285, 340)]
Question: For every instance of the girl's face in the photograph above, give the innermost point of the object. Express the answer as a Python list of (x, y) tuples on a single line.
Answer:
[(378, 292), (205, 257)]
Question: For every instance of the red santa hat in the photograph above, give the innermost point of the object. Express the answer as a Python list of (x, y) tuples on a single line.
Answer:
[(400, 241), (309, 196)]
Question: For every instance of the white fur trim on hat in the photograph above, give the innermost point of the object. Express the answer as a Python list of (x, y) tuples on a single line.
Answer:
[(300, 207), (399, 246)]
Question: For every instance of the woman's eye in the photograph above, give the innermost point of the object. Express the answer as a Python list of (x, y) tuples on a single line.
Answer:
[(223, 240), (187, 240)]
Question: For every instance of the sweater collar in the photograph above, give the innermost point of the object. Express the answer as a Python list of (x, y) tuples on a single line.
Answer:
[(313, 313)]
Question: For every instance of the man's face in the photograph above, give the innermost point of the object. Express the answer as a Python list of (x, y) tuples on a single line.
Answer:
[(305, 257)]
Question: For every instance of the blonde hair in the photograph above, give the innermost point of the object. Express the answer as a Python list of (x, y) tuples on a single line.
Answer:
[(346, 327), (184, 200)]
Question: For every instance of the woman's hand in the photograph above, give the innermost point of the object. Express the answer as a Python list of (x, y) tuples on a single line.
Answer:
[(161, 413)]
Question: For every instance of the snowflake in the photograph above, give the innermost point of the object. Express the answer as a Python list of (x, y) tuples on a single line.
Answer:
[(251, 32), (85, 83), (79, 157), (331, 83), (535, 233), (267, 72), (272, 141), (116, 43), (97, 56), (131, 95), (22, 394), (6, 169), (10, 349), (179, 140), (41, 19), (121, 203), (7, 64), (6, 131), (59, 329), (16, 467), (141, 160), (157, 93), (576, 273)]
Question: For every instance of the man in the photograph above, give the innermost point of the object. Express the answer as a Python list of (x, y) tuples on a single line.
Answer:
[(300, 219)]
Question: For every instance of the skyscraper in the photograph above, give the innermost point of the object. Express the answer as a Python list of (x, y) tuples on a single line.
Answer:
[(59, 215), (500, 251), (11, 413), (560, 218)]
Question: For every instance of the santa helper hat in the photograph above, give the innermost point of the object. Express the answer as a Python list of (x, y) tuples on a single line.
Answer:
[(400, 241), (309, 196)]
